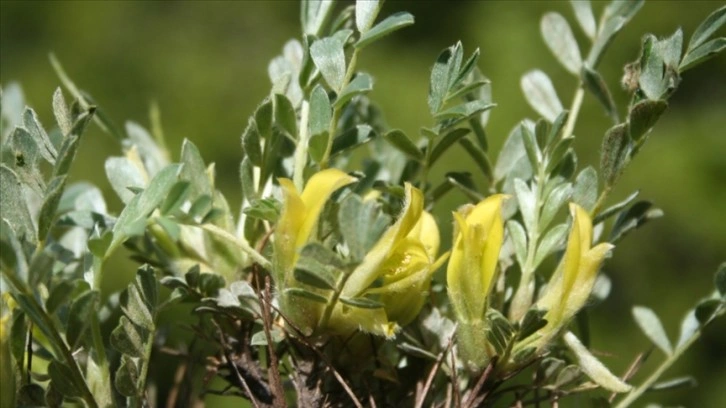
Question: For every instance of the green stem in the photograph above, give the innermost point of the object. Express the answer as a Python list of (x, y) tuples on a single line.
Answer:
[(141, 382), (301, 151), (337, 110), (241, 244), (574, 112), (601, 200)]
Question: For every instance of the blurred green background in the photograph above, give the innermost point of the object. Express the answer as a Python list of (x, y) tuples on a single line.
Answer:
[(205, 63)]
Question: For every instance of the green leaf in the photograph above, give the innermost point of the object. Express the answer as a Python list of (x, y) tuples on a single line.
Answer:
[(531, 148), (527, 200), (552, 240), (585, 18), (59, 295), (260, 338), (285, 116), (463, 112), (720, 280), (650, 324), (246, 179), (68, 149), (79, 317), (178, 195), (128, 338), (594, 368), (479, 156), (50, 204), (194, 170), (689, 327), (265, 209), (519, 240), (35, 128), (674, 384), (361, 84), (439, 82), (554, 201), (123, 174), (153, 156), (533, 320), (143, 204), (584, 191), (31, 395), (707, 308), (510, 154), (352, 138), (709, 26), (314, 14), (615, 153), (634, 217), (127, 376), (643, 115), (13, 207), (99, 246), (201, 207), (61, 375), (615, 209), (703, 53), (361, 303), (541, 95), (310, 272), (463, 181), (305, 294), (401, 141), (251, 142), (560, 40), (387, 26), (329, 57), (366, 12), (616, 14), (361, 223), (596, 85), (320, 112), (61, 112), (446, 141)]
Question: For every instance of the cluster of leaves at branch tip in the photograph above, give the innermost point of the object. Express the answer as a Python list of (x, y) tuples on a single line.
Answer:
[(327, 250)]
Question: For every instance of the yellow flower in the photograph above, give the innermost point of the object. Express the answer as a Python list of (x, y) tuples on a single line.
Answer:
[(470, 275), (572, 282), (299, 216), (396, 272), (474, 258)]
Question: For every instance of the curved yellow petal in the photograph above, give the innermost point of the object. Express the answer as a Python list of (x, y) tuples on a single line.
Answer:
[(368, 271), (287, 230), (316, 193)]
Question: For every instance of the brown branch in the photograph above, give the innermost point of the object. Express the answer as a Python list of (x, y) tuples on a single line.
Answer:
[(231, 363), (632, 369), (474, 399), (430, 379), (273, 369)]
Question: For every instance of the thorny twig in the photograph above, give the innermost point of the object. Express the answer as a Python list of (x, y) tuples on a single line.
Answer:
[(241, 379)]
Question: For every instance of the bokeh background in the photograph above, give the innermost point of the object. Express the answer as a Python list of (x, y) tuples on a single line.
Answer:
[(205, 63)]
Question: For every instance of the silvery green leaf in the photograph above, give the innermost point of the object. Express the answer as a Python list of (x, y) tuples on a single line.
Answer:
[(463, 181), (314, 14), (62, 377), (122, 173), (601, 289), (13, 207), (595, 84), (615, 209), (36, 130), (79, 317), (650, 324), (594, 369), (362, 83), (352, 138), (584, 191), (615, 152), (634, 217), (704, 52), (390, 24), (69, 147), (285, 117), (361, 223), (439, 82), (567, 375), (153, 156), (312, 273), (671, 48), (143, 204), (541, 95), (511, 152), (26, 156), (13, 103), (82, 196), (558, 153), (176, 198), (365, 14), (709, 26), (519, 240), (479, 156), (643, 115), (61, 112), (583, 13), (531, 148), (527, 199), (674, 383), (50, 204), (247, 180), (445, 142), (402, 142), (126, 378), (260, 338), (689, 326), (616, 14), (554, 201), (552, 240), (461, 112), (706, 309), (251, 142), (194, 170), (329, 57), (560, 40), (320, 111), (305, 294), (264, 119), (532, 321)]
